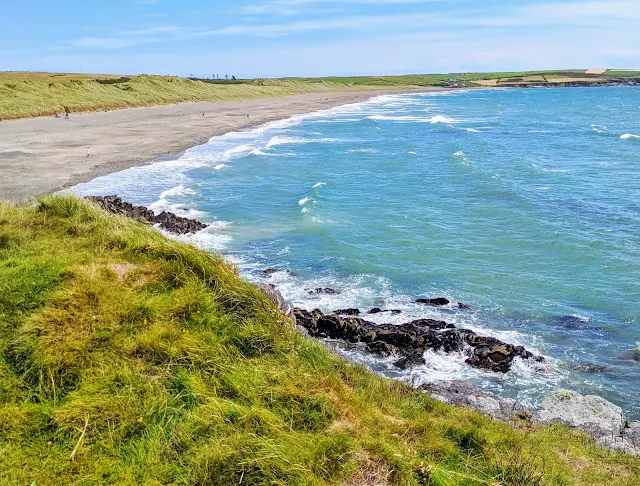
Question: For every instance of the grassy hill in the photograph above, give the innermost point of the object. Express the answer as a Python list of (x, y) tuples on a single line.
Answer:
[(129, 358), (40, 94)]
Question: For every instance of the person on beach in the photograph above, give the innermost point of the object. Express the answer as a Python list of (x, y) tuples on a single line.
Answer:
[(88, 152), (66, 115)]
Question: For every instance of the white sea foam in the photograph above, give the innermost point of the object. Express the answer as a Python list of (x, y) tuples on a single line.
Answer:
[(459, 154), (630, 136), (284, 140), (220, 166), (399, 118), (412, 152), (180, 190), (599, 128), (241, 149), (546, 169), (303, 201), (177, 208), (442, 119), (362, 151), (472, 130), (213, 237), (164, 203), (318, 184), (305, 210)]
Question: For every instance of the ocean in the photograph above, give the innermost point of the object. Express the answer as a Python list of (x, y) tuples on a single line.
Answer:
[(523, 203)]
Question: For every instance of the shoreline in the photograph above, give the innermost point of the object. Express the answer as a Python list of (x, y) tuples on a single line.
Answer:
[(44, 155)]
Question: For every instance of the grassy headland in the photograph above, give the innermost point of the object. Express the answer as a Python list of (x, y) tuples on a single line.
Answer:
[(38, 94), (129, 358)]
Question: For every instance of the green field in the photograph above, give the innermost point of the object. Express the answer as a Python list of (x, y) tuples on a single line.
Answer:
[(128, 358), (43, 94)]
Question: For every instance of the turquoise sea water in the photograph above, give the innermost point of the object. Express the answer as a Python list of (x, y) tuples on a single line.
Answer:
[(524, 204)]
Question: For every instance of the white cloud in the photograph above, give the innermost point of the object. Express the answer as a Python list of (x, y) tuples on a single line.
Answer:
[(541, 36), (415, 53)]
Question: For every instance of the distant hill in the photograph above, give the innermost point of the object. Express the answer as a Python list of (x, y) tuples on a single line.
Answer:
[(42, 94)]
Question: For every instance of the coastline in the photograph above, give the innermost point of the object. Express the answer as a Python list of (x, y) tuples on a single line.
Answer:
[(43, 155), (406, 343)]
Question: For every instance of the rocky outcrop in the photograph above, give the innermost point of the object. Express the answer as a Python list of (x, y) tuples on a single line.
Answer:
[(277, 298), (588, 413), (593, 415), (458, 392), (441, 302), (166, 220), (410, 340), (436, 302), (346, 312), (407, 342), (378, 310), (325, 291)]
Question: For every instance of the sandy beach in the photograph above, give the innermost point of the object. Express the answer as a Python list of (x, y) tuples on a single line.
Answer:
[(42, 155)]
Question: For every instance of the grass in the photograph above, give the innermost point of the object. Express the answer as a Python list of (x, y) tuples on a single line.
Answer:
[(129, 358), (43, 94)]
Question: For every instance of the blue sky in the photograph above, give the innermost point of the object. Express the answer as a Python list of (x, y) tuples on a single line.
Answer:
[(271, 38)]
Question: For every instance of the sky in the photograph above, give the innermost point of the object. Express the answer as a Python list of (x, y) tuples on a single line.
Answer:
[(277, 38)]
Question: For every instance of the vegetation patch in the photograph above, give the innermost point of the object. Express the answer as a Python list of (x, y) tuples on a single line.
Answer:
[(128, 358)]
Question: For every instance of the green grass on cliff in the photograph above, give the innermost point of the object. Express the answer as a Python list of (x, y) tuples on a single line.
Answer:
[(129, 358)]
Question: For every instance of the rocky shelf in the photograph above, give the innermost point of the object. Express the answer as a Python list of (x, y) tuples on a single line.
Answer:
[(409, 341), (167, 221), (591, 414)]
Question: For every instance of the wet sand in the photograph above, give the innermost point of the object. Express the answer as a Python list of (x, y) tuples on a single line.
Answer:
[(43, 155)]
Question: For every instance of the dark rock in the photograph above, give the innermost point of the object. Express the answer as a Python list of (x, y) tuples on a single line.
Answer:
[(347, 312), (326, 291), (437, 302), (462, 305), (271, 271), (381, 348), (430, 323), (410, 361), (573, 323), (591, 367), (167, 221), (496, 356), (404, 339), (377, 310), (413, 339), (631, 355)]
